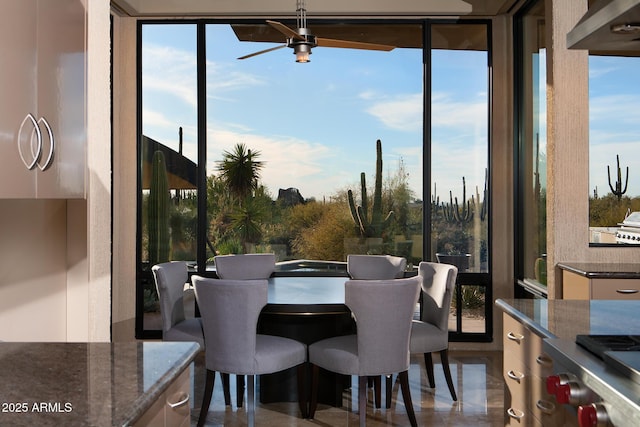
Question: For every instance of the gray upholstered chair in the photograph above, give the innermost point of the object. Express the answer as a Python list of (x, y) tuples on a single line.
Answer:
[(431, 333), (244, 267), (383, 311), (170, 278), (230, 310), (375, 267)]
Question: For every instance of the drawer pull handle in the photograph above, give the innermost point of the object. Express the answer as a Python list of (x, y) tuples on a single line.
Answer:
[(543, 360), (546, 406), (515, 337), (184, 401), (517, 376), (516, 414), (627, 291)]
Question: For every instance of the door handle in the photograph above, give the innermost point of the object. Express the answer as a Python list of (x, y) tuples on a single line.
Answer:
[(52, 145), (35, 153)]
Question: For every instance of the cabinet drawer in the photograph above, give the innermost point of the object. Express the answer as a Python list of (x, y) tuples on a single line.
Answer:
[(544, 406), (617, 289), (177, 401), (522, 344), (516, 381)]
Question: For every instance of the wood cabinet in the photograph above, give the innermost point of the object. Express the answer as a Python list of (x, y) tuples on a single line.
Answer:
[(42, 108), (576, 286), (172, 408), (526, 368)]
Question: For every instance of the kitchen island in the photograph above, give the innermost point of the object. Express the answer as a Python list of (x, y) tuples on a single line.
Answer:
[(540, 341), (93, 384)]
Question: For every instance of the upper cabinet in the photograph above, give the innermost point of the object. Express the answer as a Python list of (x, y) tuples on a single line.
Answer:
[(42, 107)]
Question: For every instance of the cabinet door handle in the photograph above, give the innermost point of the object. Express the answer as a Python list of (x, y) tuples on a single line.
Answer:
[(515, 414), (38, 149), (515, 375), (52, 144), (515, 337), (546, 406), (184, 400), (544, 361), (627, 291)]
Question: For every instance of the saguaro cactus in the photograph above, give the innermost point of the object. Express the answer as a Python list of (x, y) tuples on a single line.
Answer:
[(158, 211), (452, 212), (373, 225), (618, 191)]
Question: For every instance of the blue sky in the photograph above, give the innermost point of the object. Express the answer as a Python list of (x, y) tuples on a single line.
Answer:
[(316, 124)]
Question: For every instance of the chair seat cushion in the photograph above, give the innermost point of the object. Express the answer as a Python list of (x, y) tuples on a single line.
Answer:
[(336, 354), (186, 330), (274, 354), (426, 338)]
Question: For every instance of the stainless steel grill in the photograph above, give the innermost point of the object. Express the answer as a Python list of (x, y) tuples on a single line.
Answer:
[(629, 231)]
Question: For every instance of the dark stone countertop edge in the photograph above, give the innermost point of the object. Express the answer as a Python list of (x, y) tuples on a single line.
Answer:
[(603, 271), (524, 319), (145, 401)]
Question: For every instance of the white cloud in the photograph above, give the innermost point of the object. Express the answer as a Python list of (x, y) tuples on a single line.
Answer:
[(400, 113)]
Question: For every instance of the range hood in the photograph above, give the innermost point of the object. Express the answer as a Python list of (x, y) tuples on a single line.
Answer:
[(594, 30)]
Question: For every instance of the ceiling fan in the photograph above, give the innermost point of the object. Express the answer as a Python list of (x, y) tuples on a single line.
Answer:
[(301, 40)]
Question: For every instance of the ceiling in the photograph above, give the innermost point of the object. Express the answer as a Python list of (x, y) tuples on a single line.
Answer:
[(315, 8)]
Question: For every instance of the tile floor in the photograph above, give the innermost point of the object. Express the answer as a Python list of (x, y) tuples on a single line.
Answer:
[(479, 385)]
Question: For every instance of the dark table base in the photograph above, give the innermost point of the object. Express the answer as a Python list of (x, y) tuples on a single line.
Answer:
[(306, 328)]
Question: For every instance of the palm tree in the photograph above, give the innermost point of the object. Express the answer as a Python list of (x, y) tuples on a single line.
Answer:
[(240, 170)]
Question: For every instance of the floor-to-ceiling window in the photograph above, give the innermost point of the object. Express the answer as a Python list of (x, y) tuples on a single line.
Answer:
[(287, 154), (531, 149), (457, 133)]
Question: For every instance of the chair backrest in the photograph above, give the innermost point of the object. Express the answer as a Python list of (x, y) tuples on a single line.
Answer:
[(375, 267), (245, 267), (230, 310), (170, 278), (438, 283), (383, 310)]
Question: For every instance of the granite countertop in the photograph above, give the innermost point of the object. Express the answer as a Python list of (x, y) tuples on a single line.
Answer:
[(568, 318), (595, 270), (86, 384)]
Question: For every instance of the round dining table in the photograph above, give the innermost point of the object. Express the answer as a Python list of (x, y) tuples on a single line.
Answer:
[(307, 309)]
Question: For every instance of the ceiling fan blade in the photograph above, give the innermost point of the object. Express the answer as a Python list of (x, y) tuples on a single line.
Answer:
[(353, 45), (292, 34), (262, 51)]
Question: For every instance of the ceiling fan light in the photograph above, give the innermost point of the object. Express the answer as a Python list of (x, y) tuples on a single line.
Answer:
[(302, 53)]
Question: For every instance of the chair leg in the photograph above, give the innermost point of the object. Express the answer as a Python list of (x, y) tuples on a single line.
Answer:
[(362, 400), (428, 364), (302, 390), (387, 393), (206, 398), (313, 404), (377, 392), (239, 390), (225, 389), (251, 401), (406, 397), (444, 358)]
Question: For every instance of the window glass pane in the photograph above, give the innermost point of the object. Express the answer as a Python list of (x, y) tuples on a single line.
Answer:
[(311, 130), (533, 151), (614, 125), (169, 153), (459, 146)]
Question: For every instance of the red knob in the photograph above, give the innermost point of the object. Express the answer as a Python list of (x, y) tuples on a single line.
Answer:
[(563, 393), (593, 415), (553, 382), (587, 416)]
